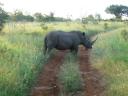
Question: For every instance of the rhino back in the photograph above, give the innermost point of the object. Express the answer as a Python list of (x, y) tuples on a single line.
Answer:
[(63, 40), (67, 40)]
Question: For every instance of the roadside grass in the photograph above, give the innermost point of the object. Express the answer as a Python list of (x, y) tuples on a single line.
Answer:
[(20, 59), (21, 56), (110, 56), (69, 76)]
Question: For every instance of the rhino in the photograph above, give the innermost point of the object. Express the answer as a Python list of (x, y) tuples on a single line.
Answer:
[(67, 40)]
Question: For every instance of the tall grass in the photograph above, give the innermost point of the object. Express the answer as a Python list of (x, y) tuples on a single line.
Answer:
[(110, 56), (20, 60), (70, 75), (21, 56)]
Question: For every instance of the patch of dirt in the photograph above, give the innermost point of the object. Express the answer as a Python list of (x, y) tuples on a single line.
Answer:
[(47, 82), (94, 83)]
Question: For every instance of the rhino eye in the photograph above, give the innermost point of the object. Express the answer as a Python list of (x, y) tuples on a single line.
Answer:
[(83, 34)]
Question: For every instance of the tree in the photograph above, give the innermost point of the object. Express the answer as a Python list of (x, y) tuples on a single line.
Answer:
[(117, 10), (3, 17), (98, 17), (51, 16), (89, 19), (48, 18), (38, 17), (19, 16), (28, 18)]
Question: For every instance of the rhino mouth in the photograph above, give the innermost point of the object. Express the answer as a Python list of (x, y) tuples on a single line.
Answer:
[(88, 47)]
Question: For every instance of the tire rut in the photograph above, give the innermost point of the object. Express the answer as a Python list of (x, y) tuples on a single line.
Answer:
[(48, 85), (94, 83), (47, 81)]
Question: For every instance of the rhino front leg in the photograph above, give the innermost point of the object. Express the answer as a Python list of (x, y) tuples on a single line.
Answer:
[(74, 50)]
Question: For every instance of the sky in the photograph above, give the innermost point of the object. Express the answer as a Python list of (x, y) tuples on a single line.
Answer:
[(62, 8)]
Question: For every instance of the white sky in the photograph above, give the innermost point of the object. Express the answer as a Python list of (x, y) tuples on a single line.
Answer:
[(63, 8)]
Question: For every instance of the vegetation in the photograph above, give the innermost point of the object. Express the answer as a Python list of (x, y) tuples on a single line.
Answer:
[(109, 56), (117, 10), (3, 17), (21, 51), (91, 19), (70, 75), (21, 56), (19, 16), (20, 60)]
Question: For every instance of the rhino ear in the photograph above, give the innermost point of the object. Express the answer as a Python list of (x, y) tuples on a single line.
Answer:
[(83, 33)]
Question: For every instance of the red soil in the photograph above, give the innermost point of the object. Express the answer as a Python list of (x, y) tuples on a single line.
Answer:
[(93, 80), (47, 82)]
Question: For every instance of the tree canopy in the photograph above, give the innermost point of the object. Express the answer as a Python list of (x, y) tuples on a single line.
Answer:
[(39, 17), (117, 10), (3, 17), (19, 16)]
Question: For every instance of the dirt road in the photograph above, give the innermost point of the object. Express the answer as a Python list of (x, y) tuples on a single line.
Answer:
[(47, 82), (94, 84)]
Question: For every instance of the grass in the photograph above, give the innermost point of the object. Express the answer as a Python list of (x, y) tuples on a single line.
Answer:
[(70, 75), (21, 56), (20, 60), (110, 56)]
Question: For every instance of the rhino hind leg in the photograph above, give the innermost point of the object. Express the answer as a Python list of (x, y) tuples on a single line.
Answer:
[(45, 45), (74, 50), (49, 48), (45, 49)]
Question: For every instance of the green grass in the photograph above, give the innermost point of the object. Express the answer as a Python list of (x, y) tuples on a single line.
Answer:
[(70, 75), (20, 59), (110, 56), (21, 56)]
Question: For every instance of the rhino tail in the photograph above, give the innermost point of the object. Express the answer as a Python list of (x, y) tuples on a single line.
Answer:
[(45, 45)]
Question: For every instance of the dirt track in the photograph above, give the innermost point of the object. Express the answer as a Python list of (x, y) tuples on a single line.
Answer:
[(94, 84), (47, 83)]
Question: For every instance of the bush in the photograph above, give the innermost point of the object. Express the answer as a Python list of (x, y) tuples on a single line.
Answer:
[(3, 17), (105, 26), (124, 34)]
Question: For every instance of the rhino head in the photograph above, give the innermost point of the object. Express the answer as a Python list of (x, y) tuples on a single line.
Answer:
[(87, 42)]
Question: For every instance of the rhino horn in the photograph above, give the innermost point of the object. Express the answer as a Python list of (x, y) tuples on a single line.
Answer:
[(94, 40)]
